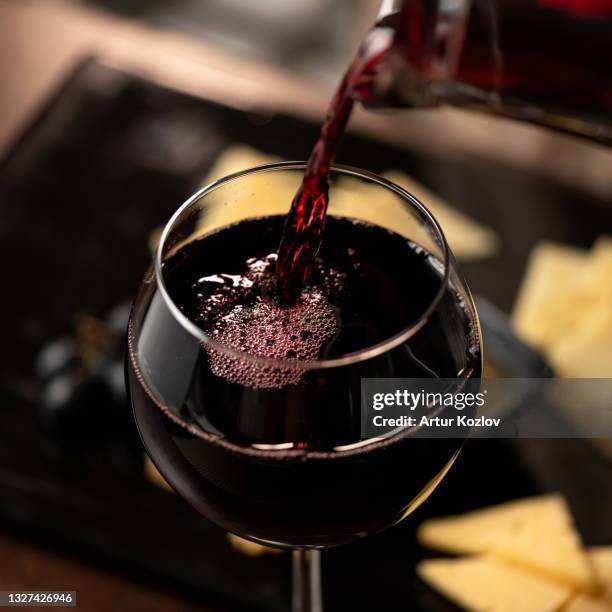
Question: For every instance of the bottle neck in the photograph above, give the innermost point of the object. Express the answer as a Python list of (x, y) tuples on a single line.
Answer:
[(427, 47), (543, 61)]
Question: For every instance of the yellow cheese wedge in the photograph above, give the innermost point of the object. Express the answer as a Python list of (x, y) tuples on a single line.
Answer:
[(585, 349), (597, 278), (488, 584), (564, 307), (585, 603), (385, 208), (547, 303), (601, 558), (467, 238), (253, 196), (536, 533), (348, 197)]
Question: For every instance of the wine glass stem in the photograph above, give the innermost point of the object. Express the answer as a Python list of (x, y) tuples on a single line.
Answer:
[(306, 581)]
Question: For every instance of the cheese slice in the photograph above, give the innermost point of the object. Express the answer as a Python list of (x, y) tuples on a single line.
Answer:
[(564, 307), (488, 584), (467, 238), (383, 207), (601, 558), (548, 301), (597, 278), (585, 603), (255, 195), (536, 533), (585, 350)]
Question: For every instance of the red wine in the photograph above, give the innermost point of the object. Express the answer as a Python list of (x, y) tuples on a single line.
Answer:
[(305, 224), (274, 452)]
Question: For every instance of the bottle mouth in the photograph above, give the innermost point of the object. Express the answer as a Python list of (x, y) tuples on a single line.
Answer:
[(312, 364)]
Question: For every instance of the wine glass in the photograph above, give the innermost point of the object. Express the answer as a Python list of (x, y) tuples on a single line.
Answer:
[(271, 449)]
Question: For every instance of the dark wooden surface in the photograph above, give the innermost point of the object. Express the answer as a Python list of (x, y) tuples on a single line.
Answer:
[(26, 565)]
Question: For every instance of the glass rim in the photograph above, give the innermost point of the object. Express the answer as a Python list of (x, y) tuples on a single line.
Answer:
[(308, 364)]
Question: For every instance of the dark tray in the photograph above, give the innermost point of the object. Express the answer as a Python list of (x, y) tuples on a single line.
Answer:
[(110, 158)]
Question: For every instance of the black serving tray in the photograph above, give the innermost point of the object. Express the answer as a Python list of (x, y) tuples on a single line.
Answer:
[(110, 158)]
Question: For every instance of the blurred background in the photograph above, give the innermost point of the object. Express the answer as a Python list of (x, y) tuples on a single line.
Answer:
[(112, 112)]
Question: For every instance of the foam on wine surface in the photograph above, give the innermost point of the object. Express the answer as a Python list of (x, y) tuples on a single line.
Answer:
[(241, 313), (265, 329)]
